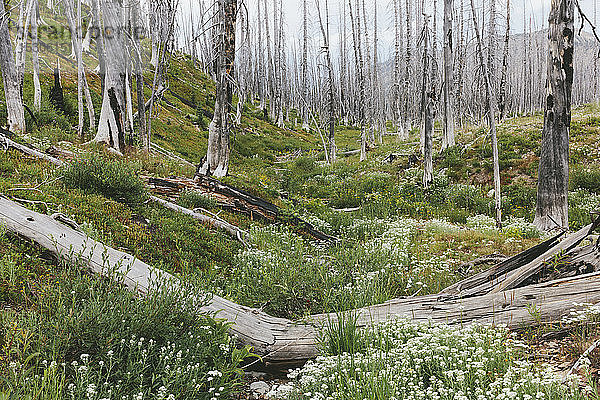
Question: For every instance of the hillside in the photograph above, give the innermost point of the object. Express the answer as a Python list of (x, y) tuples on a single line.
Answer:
[(61, 324)]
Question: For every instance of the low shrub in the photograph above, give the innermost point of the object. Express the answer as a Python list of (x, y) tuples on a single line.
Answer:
[(581, 204), (468, 197), (116, 180), (518, 200), (519, 228), (585, 177)]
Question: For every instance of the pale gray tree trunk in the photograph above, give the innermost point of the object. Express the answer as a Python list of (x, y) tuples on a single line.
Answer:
[(136, 19), (21, 38), (330, 82), (503, 78), (10, 78), (37, 89), (355, 22), (111, 124), (217, 156), (552, 208), (74, 22), (448, 137), (428, 92), (490, 103)]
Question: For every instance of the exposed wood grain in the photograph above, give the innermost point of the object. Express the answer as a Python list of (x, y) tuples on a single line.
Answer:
[(485, 281), (524, 272), (282, 340)]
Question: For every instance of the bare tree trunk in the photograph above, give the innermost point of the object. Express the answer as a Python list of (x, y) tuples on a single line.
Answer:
[(552, 206), (396, 84), (428, 92), (330, 82), (10, 78), (355, 21), (490, 103), (217, 156), (448, 138), (139, 76), (74, 22), (305, 112), (407, 68), (502, 101), (21, 38), (111, 124), (37, 89)]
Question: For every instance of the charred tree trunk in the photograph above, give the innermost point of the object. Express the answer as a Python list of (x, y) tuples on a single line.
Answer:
[(552, 206), (111, 125), (217, 156)]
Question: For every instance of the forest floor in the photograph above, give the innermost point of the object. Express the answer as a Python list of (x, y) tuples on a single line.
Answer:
[(396, 240)]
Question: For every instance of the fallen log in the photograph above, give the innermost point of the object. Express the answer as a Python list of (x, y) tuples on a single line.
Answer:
[(532, 268), (485, 281), (234, 231), (234, 200), (4, 141), (281, 340)]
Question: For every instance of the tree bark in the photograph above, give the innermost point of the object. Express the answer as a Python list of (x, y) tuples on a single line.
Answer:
[(448, 138), (35, 59), (10, 78), (552, 208), (111, 125), (219, 130)]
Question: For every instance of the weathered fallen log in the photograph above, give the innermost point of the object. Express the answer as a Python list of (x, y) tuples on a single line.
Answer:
[(485, 281), (235, 200), (528, 270), (282, 340), (234, 231)]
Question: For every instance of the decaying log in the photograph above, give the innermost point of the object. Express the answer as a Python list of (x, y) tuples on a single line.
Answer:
[(485, 281), (282, 340), (532, 268), (234, 200), (232, 230)]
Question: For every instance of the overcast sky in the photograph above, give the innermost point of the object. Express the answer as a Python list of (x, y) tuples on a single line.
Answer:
[(534, 12)]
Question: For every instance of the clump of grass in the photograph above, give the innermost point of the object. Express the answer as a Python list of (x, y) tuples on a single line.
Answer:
[(342, 335), (116, 180), (192, 199)]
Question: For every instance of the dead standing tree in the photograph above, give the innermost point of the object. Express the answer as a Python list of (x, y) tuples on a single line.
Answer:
[(490, 104), (330, 81), (10, 78), (111, 129), (552, 208), (427, 106), (217, 155), (448, 137)]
